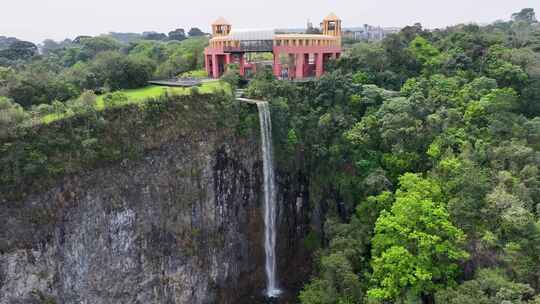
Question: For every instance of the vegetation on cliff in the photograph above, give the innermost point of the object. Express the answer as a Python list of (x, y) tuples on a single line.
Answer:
[(32, 156), (423, 153)]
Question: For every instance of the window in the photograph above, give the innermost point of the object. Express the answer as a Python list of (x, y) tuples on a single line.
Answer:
[(332, 26)]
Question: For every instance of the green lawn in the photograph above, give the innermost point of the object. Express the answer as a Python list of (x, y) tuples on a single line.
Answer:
[(142, 94)]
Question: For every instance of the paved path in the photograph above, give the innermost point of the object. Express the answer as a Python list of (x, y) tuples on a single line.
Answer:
[(240, 92)]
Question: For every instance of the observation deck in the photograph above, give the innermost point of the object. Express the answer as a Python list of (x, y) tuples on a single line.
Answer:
[(295, 56)]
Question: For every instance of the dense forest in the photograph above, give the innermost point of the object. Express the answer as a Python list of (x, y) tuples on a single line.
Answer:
[(51, 77), (421, 150)]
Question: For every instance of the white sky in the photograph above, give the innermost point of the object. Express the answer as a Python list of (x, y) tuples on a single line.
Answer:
[(36, 20)]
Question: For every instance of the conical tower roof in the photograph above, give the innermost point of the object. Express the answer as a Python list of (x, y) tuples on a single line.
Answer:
[(221, 21), (331, 17)]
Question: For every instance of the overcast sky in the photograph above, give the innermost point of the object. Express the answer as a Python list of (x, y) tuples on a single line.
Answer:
[(36, 20)]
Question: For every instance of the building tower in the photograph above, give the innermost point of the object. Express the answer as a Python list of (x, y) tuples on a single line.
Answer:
[(331, 26), (221, 27)]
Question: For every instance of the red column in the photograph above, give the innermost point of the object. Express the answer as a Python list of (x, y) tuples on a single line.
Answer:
[(306, 65), (277, 66), (228, 60), (319, 64), (300, 66), (242, 61), (207, 64), (215, 66)]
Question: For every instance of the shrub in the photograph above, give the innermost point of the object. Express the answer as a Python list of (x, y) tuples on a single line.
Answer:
[(85, 103), (197, 74), (232, 76), (114, 99), (11, 116)]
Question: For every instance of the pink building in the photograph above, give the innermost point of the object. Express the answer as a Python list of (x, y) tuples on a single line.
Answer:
[(295, 56)]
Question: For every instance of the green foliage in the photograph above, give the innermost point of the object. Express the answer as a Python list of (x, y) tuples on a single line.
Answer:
[(416, 248), (232, 76), (91, 46), (426, 53), (115, 99), (118, 71), (100, 64), (312, 241), (19, 50), (491, 286), (12, 116), (527, 14), (361, 78), (195, 32), (500, 100), (337, 283), (36, 157), (178, 34), (506, 73), (457, 106), (197, 74), (174, 58), (58, 110)]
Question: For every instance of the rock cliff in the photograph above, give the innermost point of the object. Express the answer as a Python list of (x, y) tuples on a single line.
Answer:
[(181, 222), (181, 225)]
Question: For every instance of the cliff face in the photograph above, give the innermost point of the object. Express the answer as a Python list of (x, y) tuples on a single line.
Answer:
[(180, 225), (153, 203)]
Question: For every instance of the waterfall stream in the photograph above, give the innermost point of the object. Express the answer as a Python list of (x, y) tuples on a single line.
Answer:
[(270, 211)]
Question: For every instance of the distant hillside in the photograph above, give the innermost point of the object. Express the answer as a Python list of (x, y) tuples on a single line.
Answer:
[(5, 42)]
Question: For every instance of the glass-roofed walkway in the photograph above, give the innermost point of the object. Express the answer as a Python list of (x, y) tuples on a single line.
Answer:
[(294, 56)]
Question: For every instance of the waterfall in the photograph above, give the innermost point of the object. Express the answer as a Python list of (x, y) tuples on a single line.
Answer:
[(270, 211)]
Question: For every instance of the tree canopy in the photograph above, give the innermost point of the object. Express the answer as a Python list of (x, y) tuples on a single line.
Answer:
[(421, 154)]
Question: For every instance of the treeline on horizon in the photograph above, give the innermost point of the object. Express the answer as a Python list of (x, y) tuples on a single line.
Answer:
[(60, 71), (66, 76), (422, 153), (49, 44)]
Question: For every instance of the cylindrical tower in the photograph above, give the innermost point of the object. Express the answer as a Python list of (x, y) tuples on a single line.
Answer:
[(331, 26), (221, 27)]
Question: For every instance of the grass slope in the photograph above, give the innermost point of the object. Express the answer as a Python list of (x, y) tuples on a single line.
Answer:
[(142, 94)]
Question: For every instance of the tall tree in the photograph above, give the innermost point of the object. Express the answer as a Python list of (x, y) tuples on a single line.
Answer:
[(19, 50), (154, 36), (527, 14), (195, 32), (177, 34), (416, 247)]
